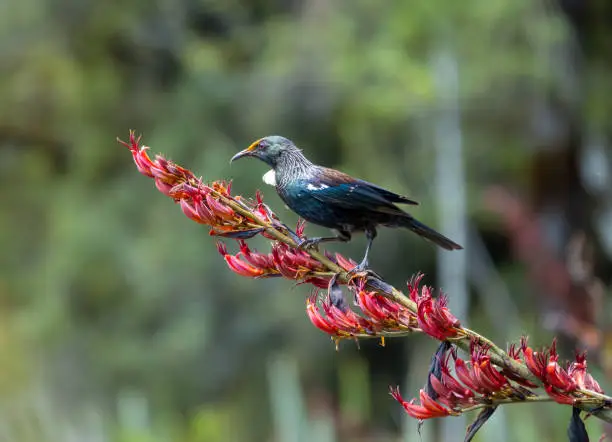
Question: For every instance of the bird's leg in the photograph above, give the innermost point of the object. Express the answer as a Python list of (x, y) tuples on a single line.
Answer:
[(341, 236), (363, 265)]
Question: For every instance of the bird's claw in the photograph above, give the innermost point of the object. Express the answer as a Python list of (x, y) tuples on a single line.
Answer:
[(362, 270), (358, 270), (309, 243)]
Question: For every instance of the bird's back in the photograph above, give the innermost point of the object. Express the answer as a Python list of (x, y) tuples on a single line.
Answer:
[(336, 200)]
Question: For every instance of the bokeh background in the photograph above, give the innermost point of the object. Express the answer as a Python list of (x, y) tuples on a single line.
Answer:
[(120, 322)]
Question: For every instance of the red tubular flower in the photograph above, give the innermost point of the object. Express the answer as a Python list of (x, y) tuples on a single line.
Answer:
[(514, 352), (201, 203), (544, 365), (346, 263), (142, 160), (263, 212), (188, 191), (190, 211), (557, 396), (196, 211), (219, 209), (464, 374), (577, 370), (237, 265), (194, 203), (160, 170), (166, 173), (479, 374), (261, 260), (163, 187), (294, 263), (336, 318), (483, 373), (460, 393), (262, 209), (428, 408), (318, 319), (557, 382), (536, 362), (299, 229), (381, 310), (317, 281), (448, 396), (246, 267), (433, 315), (345, 320), (449, 390), (475, 382), (222, 187), (557, 376)]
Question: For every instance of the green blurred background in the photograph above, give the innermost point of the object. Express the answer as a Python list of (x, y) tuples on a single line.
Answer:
[(120, 322)]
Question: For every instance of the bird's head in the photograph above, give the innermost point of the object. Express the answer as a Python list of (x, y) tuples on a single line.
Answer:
[(269, 149)]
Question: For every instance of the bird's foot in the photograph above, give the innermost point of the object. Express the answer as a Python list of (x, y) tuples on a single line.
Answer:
[(362, 269), (359, 269), (309, 243)]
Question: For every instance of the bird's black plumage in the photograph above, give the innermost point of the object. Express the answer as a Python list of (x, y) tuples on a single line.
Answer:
[(334, 199)]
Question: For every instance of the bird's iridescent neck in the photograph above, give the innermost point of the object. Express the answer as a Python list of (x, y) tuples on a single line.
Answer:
[(292, 165)]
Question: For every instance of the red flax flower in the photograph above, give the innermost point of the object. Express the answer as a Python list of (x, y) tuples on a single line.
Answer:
[(433, 315), (346, 263), (475, 382), (478, 374), (247, 262), (449, 390), (514, 352), (379, 315), (427, 409), (298, 265), (334, 316), (294, 263), (263, 212), (382, 311), (558, 383), (165, 173), (200, 202), (578, 372)]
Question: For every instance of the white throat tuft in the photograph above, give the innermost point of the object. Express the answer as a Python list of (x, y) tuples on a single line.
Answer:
[(270, 178)]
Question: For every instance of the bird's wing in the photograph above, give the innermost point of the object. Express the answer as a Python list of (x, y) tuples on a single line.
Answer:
[(333, 187), (391, 196)]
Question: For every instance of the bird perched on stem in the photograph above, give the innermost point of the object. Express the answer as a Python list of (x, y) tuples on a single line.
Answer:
[(334, 199)]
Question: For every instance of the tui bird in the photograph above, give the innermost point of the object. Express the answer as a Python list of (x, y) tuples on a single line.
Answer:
[(334, 199)]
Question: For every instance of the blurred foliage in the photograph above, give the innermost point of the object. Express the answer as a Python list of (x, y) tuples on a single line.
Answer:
[(118, 319)]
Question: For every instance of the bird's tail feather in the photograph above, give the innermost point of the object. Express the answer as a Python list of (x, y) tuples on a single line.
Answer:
[(428, 233)]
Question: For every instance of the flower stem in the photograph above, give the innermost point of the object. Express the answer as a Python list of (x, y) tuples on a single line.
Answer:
[(506, 401)]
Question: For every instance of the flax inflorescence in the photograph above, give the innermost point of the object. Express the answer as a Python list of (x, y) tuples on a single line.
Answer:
[(488, 377)]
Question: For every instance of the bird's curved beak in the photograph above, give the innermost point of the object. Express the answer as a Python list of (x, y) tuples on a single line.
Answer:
[(248, 152)]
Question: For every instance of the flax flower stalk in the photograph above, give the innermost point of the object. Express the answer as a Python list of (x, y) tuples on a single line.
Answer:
[(490, 377)]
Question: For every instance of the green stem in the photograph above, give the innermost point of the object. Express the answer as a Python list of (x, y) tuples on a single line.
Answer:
[(507, 401)]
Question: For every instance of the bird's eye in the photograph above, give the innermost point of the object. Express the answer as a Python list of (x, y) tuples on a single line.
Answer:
[(263, 144)]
